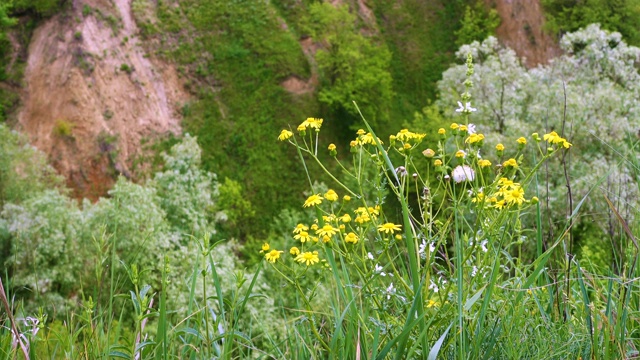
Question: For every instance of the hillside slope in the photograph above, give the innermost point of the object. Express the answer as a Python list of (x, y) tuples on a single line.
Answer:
[(105, 77), (92, 95)]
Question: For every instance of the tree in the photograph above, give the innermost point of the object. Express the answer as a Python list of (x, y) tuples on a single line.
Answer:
[(353, 67)]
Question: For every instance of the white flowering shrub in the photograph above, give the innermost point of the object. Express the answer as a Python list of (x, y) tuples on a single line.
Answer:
[(46, 259), (186, 193), (589, 95)]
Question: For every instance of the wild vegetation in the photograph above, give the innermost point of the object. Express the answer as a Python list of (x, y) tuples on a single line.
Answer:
[(500, 220)]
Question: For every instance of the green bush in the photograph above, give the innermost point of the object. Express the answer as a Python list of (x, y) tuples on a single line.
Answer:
[(352, 67), (478, 23), (565, 16)]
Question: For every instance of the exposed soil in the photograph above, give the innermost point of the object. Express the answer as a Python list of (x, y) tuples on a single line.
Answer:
[(522, 30), (295, 84), (93, 95)]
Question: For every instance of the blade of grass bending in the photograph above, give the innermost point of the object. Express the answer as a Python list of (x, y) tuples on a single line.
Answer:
[(162, 320), (406, 330), (541, 261), (14, 328), (405, 334), (585, 298), (374, 345), (622, 222), (486, 301), (411, 248), (415, 307), (433, 354), (338, 332)]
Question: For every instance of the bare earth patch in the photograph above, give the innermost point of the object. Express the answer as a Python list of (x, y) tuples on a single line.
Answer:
[(93, 95), (522, 30)]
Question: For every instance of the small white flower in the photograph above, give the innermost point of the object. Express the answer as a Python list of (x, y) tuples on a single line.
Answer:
[(378, 269), (370, 256), (483, 244), (422, 248), (462, 173), (390, 291), (474, 271), (433, 287), (466, 108), (432, 247), (471, 129)]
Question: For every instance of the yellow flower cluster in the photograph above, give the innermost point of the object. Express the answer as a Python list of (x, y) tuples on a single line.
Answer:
[(508, 194), (554, 138), (475, 139), (311, 123), (405, 136)]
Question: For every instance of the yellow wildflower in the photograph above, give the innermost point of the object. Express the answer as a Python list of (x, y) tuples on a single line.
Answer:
[(284, 135), (351, 238), (327, 230), (345, 218), (331, 195), (308, 257), (505, 182), (300, 227), (431, 303), (479, 198), (454, 126), (500, 147), (303, 236), (314, 227), (514, 196), (312, 123), (388, 228), (273, 255), (511, 162), (368, 139), (522, 141), (313, 200), (442, 131), (484, 163), (360, 132), (554, 138), (474, 138), (460, 154), (265, 247), (438, 162), (361, 219)]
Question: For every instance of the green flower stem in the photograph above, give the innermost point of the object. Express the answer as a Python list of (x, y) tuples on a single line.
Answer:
[(328, 172)]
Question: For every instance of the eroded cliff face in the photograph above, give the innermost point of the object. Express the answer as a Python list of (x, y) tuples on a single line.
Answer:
[(93, 95), (522, 30)]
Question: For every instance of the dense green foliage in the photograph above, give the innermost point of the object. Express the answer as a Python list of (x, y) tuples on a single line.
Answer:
[(352, 67), (614, 15)]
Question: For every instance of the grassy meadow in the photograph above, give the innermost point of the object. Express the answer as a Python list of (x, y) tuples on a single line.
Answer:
[(462, 207)]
